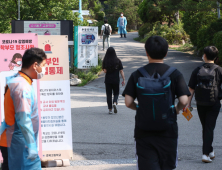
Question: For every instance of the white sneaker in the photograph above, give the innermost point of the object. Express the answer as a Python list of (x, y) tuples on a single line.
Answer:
[(206, 159), (115, 108), (110, 112), (212, 155)]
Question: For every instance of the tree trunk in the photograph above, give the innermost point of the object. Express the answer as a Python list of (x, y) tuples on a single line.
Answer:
[(177, 17)]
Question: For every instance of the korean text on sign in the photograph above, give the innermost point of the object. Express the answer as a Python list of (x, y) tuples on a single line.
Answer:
[(54, 69)]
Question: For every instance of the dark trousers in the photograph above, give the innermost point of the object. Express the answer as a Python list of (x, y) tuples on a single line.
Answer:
[(112, 89), (208, 117), (4, 151), (122, 35), (156, 153)]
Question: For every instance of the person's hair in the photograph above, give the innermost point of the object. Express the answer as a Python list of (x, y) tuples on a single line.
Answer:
[(105, 21), (16, 55), (211, 52), (31, 56), (156, 47), (110, 61)]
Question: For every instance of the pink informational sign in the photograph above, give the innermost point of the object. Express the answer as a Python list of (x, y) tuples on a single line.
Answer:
[(12, 48)]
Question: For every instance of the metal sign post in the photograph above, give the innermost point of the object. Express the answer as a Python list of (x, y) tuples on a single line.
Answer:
[(18, 9), (80, 10)]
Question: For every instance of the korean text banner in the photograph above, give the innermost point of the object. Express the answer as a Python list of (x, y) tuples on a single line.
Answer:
[(55, 99), (12, 48)]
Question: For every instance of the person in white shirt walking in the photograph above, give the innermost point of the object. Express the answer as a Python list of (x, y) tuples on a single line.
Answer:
[(106, 31)]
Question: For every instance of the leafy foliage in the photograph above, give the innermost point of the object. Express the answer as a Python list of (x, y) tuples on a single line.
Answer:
[(173, 35), (206, 35), (38, 10), (95, 11), (144, 29), (217, 41), (151, 11), (128, 7), (194, 21)]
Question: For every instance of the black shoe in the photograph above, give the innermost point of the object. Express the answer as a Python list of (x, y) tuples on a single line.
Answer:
[(115, 108)]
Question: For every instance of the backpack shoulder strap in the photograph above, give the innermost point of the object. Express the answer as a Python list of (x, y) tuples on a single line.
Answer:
[(213, 68), (143, 71), (168, 72)]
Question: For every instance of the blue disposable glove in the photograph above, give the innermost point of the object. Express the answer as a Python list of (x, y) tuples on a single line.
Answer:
[(3, 127)]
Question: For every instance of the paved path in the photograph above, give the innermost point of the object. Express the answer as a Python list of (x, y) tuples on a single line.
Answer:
[(109, 138)]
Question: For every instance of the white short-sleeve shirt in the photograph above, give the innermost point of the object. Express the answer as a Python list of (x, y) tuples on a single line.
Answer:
[(103, 28)]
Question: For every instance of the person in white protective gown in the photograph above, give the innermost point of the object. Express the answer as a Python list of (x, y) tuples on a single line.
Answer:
[(19, 131)]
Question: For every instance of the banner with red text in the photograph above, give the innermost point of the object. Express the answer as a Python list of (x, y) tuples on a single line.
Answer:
[(55, 99)]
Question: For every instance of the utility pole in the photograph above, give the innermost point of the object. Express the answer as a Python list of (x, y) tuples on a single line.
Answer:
[(218, 9), (18, 9), (80, 10)]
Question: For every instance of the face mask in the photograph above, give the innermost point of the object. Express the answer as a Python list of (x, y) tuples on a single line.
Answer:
[(40, 75), (121, 15), (203, 59), (19, 62), (17, 68)]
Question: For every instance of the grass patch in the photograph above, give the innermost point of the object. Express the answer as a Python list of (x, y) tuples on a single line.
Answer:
[(88, 75), (131, 30), (138, 39), (187, 48)]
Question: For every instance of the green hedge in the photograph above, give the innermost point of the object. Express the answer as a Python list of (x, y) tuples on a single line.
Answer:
[(202, 39), (173, 35), (144, 29), (100, 16), (217, 41), (194, 21), (206, 35)]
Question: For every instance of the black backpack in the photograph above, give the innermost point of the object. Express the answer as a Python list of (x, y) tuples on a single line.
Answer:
[(207, 89), (107, 30), (155, 110)]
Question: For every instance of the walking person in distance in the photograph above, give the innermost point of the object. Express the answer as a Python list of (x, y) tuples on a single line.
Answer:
[(121, 24), (106, 31), (112, 66), (155, 86), (206, 82)]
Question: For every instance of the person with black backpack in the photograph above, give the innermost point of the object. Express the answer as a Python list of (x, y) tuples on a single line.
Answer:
[(106, 31), (155, 86), (205, 82)]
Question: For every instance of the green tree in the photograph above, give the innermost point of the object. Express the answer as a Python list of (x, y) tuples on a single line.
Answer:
[(128, 7), (194, 21), (197, 17), (151, 11), (38, 10)]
